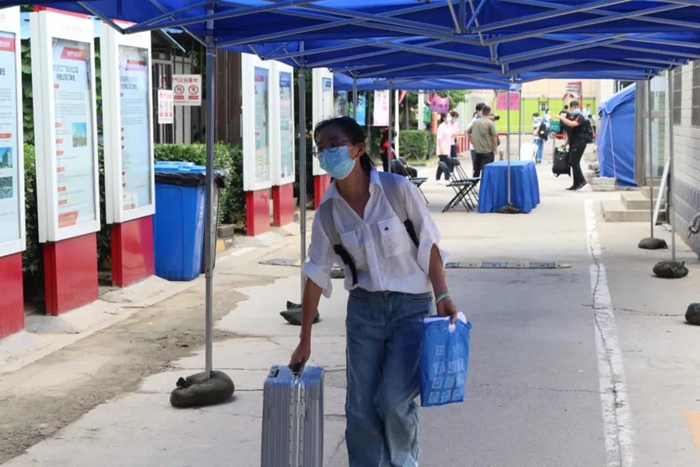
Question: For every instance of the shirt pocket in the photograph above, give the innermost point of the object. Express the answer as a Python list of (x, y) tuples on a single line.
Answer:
[(394, 238), (352, 244)]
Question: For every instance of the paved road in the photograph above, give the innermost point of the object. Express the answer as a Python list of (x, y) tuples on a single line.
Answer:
[(559, 375)]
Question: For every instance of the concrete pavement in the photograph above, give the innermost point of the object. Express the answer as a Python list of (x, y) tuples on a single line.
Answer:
[(587, 366)]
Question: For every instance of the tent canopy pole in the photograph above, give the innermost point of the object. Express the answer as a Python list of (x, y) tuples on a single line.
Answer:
[(209, 218), (649, 154), (671, 178), (302, 165)]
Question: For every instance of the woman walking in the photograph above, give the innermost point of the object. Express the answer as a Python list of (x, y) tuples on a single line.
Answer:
[(391, 268), (539, 126), (444, 143), (454, 128)]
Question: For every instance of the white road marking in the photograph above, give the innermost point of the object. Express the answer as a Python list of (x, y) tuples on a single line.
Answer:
[(617, 421)]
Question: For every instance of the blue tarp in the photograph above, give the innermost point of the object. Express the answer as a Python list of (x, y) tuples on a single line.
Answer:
[(616, 137)]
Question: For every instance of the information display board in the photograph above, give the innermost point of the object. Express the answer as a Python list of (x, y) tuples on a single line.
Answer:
[(63, 78), (127, 107), (187, 90), (380, 113), (322, 103), (166, 107), (283, 141), (12, 231), (257, 122)]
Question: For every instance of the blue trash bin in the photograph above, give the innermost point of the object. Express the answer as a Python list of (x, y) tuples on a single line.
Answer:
[(179, 220)]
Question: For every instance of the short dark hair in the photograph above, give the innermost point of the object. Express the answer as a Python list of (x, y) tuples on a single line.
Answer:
[(480, 106), (486, 110), (454, 114), (535, 114), (355, 133), (566, 107), (575, 104)]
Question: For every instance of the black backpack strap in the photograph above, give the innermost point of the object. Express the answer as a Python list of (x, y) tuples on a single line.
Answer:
[(325, 215), (390, 184)]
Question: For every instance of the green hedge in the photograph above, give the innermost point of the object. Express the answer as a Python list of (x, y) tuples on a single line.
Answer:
[(232, 200), (413, 144), (231, 206)]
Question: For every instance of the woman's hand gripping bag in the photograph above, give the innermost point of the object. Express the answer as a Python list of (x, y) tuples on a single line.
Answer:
[(444, 361)]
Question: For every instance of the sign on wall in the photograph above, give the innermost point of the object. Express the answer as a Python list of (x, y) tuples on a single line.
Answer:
[(63, 78), (12, 231), (322, 104), (503, 104), (283, 103), (127, 111), (380, 113), (166, 109), (258, 125), (187, 89), (360, 114)]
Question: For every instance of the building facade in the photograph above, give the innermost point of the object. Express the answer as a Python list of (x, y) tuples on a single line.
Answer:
[(685, 122)]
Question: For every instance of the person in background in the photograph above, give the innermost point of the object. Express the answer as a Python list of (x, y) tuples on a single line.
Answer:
[(454, 127), (444, 144), (537, 124), (577, 144), (477, 115), (547, 119), (428, 121), (587, 112), (395, 288), (563, 128), (385, 151), (594, 124), (485, 138)]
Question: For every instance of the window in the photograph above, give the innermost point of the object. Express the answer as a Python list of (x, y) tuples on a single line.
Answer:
[(695, 112), (677, 94)]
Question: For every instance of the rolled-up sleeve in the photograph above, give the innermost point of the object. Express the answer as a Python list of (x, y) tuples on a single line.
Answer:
[(426, 230), (319, 261)]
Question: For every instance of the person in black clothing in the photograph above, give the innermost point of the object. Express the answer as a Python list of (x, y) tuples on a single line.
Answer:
[(577, 143)]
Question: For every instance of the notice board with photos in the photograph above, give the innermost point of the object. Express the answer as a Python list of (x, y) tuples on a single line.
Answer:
[(257, 122), (127, 107), (322, 105), (63, 80), (284, 136), (12, 211)]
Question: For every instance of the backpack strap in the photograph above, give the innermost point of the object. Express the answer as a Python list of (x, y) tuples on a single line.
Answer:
[(390, 184), (326, 217)]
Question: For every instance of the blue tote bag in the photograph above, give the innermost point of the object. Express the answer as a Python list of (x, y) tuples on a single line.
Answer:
[(444, 361)]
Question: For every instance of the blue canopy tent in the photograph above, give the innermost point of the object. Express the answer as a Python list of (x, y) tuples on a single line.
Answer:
[(510, 20), (616, 137), (344, 82)]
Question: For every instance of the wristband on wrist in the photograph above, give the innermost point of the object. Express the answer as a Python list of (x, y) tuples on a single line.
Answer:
[(441, 296)]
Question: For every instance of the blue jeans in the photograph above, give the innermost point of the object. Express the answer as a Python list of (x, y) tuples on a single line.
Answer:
[(384, 342), (539, 143)]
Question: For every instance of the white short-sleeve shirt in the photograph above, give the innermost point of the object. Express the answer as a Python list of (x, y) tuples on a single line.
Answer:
[(386, 258)]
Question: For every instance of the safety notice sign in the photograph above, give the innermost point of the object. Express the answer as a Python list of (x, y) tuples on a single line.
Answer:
[(187, 89)]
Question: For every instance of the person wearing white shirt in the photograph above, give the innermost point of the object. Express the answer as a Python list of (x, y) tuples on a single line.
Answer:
[(547, 119), (390, 287), (445, 139), (587, 112), (537, 140)]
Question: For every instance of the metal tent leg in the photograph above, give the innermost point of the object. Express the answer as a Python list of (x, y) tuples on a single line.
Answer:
[(209, 244), (302, 168)]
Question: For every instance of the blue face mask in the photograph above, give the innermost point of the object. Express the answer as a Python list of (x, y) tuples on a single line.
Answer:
[(337, 162), (577, 112)]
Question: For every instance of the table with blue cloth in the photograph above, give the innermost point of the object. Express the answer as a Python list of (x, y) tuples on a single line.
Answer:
[(493, 193)]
